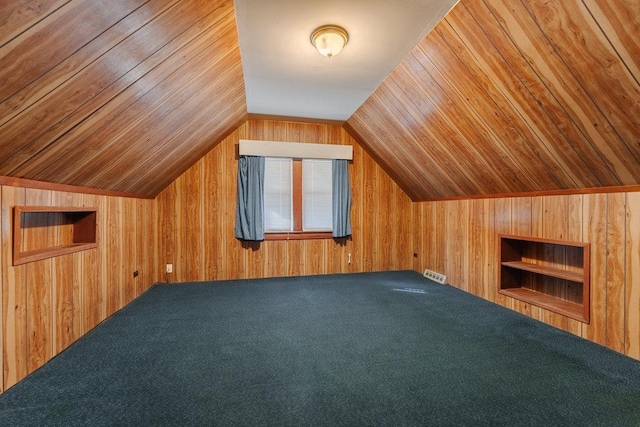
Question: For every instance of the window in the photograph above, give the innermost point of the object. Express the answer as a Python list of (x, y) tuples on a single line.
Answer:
[(286, 197), (316, 195), (278, 201), (297, 198)]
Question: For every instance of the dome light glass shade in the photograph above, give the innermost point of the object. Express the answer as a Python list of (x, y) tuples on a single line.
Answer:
[(329, 39)]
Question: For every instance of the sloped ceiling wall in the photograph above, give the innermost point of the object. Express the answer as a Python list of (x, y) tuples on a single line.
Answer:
[(512, 96), (120, 95), (502, 97)]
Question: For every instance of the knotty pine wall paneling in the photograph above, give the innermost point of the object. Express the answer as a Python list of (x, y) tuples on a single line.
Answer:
[(40, 315), (196, 216), (615, 303), (49, 304), (632, 275), (459, 239), (504, 224)]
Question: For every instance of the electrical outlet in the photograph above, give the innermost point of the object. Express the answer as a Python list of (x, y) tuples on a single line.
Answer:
[(349, 259), (169, 268)]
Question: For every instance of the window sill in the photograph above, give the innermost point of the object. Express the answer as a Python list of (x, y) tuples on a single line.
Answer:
[(299, 235)]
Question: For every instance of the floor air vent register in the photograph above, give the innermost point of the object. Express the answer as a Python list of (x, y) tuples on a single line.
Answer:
[(436, 277)]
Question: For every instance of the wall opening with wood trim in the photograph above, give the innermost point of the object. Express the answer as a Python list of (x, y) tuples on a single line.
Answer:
[(460, 238), (49, 303)]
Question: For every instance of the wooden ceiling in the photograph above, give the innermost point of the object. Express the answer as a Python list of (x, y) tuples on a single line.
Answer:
[(119, 95), (502, 97), (512, 96)]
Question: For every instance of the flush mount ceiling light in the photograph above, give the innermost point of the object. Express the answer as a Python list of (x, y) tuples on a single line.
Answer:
[(329, 39)]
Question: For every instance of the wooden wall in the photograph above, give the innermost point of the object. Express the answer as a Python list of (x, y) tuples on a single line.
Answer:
[(48, 304), (197, 214), (459, 238)]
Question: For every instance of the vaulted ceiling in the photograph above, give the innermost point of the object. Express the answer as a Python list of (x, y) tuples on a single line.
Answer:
[(501, 97)]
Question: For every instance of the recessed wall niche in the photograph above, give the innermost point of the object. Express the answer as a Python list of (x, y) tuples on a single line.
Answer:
[(41, 232)]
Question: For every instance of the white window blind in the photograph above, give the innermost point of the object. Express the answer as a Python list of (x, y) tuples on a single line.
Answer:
[(278, 209), (316, 195)]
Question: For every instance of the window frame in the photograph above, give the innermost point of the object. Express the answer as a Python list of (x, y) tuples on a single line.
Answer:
[(297, 233)]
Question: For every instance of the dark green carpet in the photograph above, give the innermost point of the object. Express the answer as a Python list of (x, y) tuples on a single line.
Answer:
[(364, 349)]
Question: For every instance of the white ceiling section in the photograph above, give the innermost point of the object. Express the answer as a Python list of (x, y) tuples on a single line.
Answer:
[(286, 76)]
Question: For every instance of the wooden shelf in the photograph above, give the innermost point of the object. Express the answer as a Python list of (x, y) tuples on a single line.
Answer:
[(37, 255), (41, 232), (574, 276), (539, 299), (547, 273)]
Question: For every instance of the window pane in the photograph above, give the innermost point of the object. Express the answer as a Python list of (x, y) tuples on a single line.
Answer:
[(277, 195), (316, 195)]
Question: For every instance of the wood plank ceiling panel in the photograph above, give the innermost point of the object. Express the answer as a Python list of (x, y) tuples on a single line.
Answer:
[(141, 116), (142, 83), (508, 97), (77, 63), (530, 88), (445, 110), (539, 128), (562, 86), (19, 15), (66, 30), (595, 63)]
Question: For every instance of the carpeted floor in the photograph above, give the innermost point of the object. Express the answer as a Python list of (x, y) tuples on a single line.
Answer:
[(355, 350)]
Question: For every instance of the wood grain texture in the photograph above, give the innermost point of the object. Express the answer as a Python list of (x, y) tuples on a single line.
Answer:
[(49, 304), (502, 98), (43, 45), (608, 222), (17, 16), (198, 215), (596, 209), (99, 95), (632, 276), (554, 226), (14, 297), (39, 311), (575, 234), (74, 64), (570, 28), (616, 283), (66, 292)]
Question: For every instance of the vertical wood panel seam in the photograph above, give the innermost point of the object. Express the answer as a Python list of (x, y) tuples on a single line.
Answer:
[(606, 270), (628, 286)]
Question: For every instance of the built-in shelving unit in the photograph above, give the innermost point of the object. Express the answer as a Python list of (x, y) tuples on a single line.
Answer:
[(551, 274), (41, 232)]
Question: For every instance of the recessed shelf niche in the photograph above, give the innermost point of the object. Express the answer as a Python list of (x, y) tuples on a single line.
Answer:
[(41, 232), (551, 274)]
